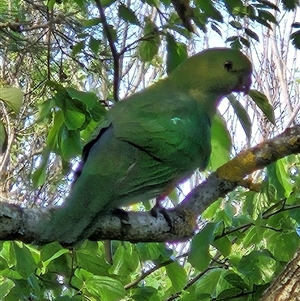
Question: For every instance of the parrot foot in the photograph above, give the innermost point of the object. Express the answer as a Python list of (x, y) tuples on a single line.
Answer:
[(158, 208), (122, 215)]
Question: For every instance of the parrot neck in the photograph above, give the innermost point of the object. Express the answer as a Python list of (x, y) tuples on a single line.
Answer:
[(207, 101)]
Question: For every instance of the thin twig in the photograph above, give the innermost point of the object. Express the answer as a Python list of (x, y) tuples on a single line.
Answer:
[(113, 49)]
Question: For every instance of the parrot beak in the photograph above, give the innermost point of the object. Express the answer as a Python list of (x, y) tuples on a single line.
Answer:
[(246, 82)]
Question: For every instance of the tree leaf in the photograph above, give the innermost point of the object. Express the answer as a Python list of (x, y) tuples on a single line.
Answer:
[(263, 103), (242, 115), (258, 266), (12, 97), (39, 175), (100, 287), (177, 275), (176, 53), (220, 143), (245, 42), (268, 4), (215, 28), (251, 34), (91, 22), (148, 48), (128, 15), (3, 138), (236, 24), (199, 256), (266, 15), (209, 9), (94, 45), (290, 4), (295, 38), (78, 47), (25, 264), (88, 98), (70, 144)]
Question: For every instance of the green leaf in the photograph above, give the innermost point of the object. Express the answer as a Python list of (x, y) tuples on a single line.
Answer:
[(200, 19), (283, 175), (145, 293), (295, 38), (113, 33), (25, 265), (177, 275), (154, 3), (12, 97), (52, 138), (236, 24), (70, 144), (106, 3), (90, 99), (209, 9), (266, 15), (245, 42), (210, 283), (94, 45), (91, 258), (45, 110), (223, 244), (176, 53), (199, 256), (125, 260), (296, 25), (270, 5), (148, 48), (262, 101), (273, 180), (234, 6), (157, 252), (282, 245), (3, 138), (128, 15), (251, 34), (91, 22), (290, 4), (5, 287), (215, 28), (78, 47), (39, 175), (51, 252), (220, 143), (259, 266), (236, 281), (241, 114), (74, 119), (101, 287)]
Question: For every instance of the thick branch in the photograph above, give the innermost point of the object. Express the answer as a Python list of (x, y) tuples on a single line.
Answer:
[(21, 223), (286, 285)]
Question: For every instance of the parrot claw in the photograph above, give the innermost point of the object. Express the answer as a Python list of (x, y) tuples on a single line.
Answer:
[(162, 210), (122, 215)]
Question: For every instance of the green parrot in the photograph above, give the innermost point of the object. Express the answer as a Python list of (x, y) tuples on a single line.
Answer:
[(150, 142)]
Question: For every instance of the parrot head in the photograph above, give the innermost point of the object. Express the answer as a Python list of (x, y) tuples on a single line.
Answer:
[(217, 71)]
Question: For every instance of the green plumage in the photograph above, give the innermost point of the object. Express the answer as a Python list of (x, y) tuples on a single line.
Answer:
[(150, 142)]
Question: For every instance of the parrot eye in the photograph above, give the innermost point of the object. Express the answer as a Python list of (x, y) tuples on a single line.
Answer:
[(228, 65)]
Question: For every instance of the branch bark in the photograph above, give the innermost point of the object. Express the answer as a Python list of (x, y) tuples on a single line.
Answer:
[(286, 285), (21, 223)]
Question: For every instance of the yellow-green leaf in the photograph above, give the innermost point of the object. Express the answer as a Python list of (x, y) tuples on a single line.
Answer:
[(262, 101), (12, 97)]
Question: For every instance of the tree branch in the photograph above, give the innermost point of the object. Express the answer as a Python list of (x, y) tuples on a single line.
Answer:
[(113, 49), (21, 223)]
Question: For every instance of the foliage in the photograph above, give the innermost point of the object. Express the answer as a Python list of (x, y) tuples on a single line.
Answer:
[(59, 76)]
